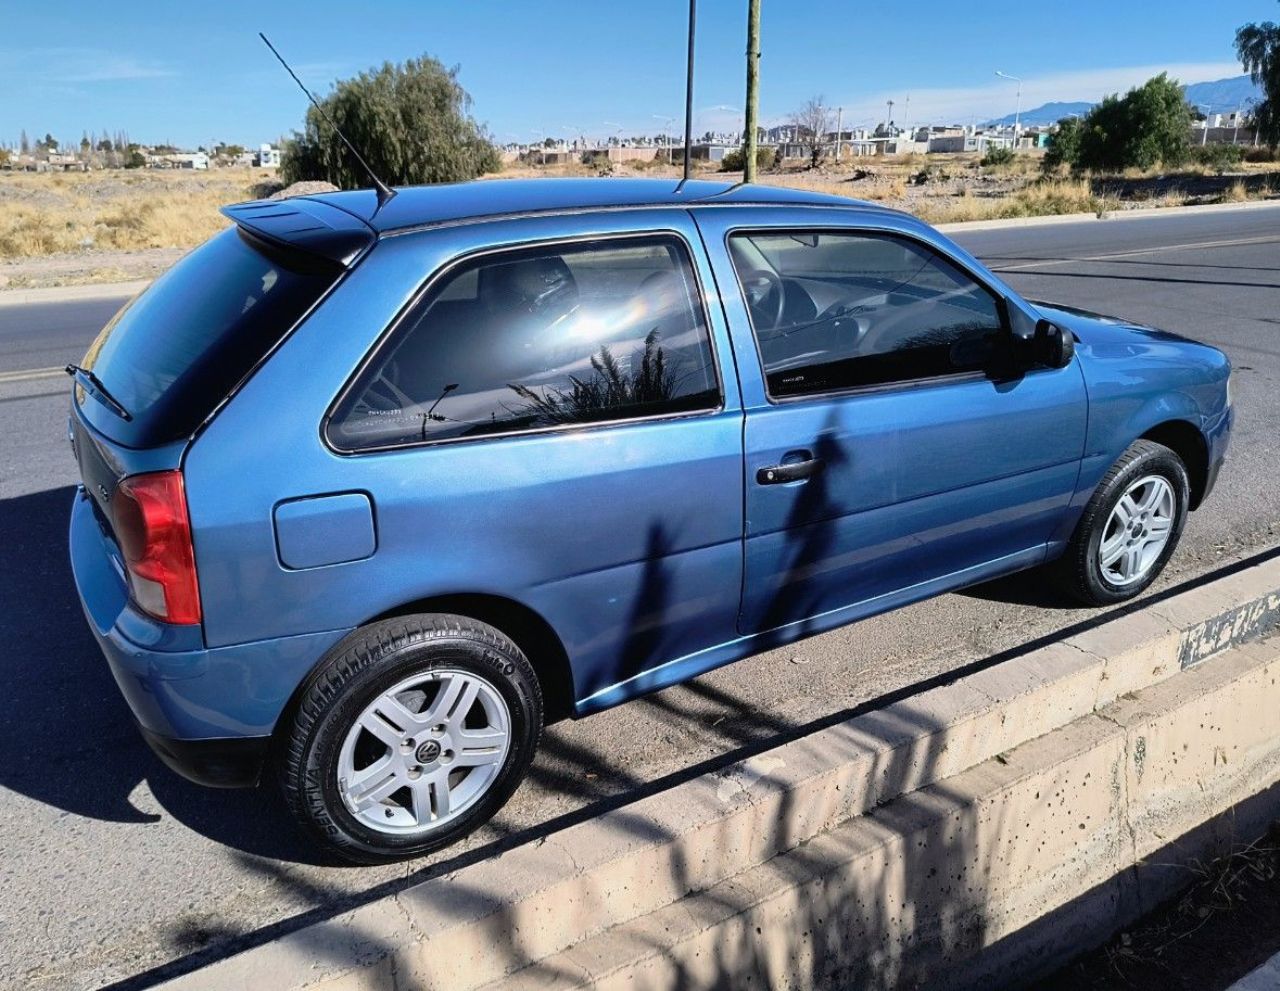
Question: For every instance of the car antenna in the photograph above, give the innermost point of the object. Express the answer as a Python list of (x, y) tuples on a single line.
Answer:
[(688, 95), (385, 192)]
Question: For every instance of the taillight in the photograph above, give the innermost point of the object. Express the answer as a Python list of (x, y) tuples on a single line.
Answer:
[(149, 515)]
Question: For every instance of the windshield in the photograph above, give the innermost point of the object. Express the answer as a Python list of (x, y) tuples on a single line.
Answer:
[(172, 354)]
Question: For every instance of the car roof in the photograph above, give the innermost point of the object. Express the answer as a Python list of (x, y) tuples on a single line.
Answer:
[(446, 203)]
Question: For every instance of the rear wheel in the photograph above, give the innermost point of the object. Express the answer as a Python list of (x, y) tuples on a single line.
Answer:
[(1129, 528), (409, 736)]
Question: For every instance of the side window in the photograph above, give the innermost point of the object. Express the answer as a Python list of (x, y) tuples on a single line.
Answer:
[(537, 338), (838, 311)]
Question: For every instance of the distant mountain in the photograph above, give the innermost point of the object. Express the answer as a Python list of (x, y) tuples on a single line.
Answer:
[(1224, 95), (1219, 96), (1049, 113)]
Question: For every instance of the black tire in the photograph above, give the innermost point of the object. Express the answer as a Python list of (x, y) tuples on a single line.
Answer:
[(362, 667), (1079, 571)]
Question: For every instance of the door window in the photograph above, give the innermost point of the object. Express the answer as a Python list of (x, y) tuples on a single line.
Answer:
[(834, 311), (539, 338)]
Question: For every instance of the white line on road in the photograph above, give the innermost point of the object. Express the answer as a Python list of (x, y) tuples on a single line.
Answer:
[(31, 374), (1269, 238)]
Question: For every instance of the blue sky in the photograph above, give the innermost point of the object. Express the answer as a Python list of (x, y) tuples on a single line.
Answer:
[(196, 72)]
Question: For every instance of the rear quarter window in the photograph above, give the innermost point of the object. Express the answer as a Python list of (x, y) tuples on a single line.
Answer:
[(175, 352), (534, 339)]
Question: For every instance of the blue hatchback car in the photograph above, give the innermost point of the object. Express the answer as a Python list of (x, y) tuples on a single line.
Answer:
[(372, 490)]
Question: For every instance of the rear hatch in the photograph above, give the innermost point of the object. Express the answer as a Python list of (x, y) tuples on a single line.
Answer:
[(173, 355)]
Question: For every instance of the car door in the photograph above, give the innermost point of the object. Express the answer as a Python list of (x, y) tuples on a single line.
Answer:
[(890, 452)]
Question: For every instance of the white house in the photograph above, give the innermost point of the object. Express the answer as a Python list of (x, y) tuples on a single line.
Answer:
[(267, 157)]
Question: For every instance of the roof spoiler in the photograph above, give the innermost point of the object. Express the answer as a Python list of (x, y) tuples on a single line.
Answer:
[(305, 225)]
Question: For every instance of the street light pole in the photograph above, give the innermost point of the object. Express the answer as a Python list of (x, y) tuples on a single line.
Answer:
[(1017, 107)]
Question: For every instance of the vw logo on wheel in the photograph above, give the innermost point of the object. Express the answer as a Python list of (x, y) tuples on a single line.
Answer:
[(427, 752)]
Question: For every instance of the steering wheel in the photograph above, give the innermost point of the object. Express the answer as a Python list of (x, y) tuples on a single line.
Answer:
[(760, 285)]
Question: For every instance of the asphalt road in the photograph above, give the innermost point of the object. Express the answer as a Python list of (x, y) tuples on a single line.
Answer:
[(113, 867)]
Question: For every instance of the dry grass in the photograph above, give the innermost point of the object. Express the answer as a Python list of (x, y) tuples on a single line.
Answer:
[(76, 215), (49, 214)]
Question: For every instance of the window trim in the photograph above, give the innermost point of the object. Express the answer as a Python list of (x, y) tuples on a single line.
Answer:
[(1002, 308), (423, 292)]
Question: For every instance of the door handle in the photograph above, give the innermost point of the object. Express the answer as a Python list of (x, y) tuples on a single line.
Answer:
[(792, 471)]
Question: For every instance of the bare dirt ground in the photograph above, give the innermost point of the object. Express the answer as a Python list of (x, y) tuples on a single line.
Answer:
[(115, 226)]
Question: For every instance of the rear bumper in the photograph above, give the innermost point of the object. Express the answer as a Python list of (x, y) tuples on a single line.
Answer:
[(206, 711), (234, 762)]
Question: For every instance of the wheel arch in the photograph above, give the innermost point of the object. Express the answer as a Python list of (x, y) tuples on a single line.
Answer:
[(527, 629), (1185, 439)]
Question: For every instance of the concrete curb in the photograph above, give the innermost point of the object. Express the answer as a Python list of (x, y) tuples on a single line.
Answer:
[(1139, 213), (676, 852), (67, 294)]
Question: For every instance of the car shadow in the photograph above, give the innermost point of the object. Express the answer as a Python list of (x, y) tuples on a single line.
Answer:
[(1022, 588), (67, 737)]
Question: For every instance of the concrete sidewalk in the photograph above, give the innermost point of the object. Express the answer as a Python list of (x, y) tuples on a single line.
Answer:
[(1265, 978), (991, 827)]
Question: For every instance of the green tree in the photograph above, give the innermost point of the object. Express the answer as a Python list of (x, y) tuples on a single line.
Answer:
[(1149, 125), (1064, 145), (1258, 46), (411, 122)]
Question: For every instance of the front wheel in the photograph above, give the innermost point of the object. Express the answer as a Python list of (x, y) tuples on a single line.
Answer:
[(413, 733), (1129, 528)]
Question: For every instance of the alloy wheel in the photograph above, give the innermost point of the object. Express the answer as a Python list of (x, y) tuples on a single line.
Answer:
[(1137, 530), (424, 751)]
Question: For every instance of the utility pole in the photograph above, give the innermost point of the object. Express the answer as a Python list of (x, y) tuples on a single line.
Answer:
[(839, 130), (753, 90), (888, 124)]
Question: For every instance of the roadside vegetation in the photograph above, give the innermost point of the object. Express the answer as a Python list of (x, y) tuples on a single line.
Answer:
[(411, 122), (43, 214)]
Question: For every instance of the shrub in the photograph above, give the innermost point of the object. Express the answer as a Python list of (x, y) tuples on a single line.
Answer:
[(1147, 126), (1262, 154), (996, 155), (1220, 158), (734, 160), (1064, 145)]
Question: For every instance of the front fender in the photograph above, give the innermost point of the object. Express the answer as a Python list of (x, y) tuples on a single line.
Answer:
[(1135, 387)]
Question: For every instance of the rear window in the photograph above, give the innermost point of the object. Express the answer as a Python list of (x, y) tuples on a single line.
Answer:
[(175, 352)]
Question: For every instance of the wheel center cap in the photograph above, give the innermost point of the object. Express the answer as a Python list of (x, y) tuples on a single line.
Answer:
[(427, 752)]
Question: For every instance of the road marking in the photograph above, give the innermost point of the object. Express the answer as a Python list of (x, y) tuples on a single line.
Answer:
[(30, 375), (1266, 239)]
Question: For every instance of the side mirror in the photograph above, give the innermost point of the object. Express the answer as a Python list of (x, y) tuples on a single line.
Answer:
[(1052, 346), (1042, 345)]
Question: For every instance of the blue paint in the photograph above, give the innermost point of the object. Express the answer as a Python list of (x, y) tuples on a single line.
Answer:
[(648, 547), (325, 530)]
